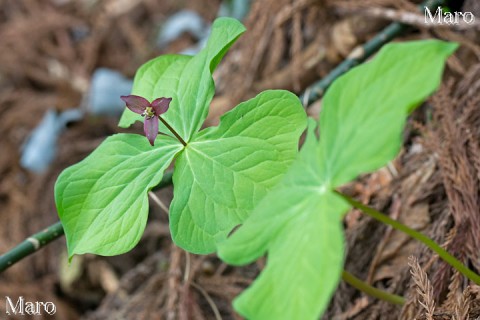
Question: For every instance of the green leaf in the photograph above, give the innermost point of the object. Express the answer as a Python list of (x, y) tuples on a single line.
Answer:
[(298, 222), (364, 111), (187, 80), (239, 252), (305, 259), (226, 170), (102, 201), (304, 243)]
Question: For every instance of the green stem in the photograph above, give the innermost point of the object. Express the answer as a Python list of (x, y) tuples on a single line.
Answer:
[(173, 131), (360, 54), (371, 291), (447, 257), (30, 245)]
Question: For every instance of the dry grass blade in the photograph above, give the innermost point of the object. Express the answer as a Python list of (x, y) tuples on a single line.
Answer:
[(454, 292), (463, 307), (424, 287)]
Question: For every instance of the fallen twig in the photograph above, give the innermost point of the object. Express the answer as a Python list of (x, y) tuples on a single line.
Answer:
[(413, 19)]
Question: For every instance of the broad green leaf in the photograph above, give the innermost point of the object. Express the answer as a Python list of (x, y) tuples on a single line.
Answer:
[(305, 247), (364, 111), (226, 170), (187, 80), (102, 201), (298, 223)]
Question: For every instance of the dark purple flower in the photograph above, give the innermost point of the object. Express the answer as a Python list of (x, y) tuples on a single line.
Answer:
[(151, 112)]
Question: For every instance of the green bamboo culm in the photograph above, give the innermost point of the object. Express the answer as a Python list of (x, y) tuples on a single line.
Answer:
[(30, 245), (360, 54)]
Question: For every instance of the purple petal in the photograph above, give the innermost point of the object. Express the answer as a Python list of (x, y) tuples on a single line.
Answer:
[(150, 126), (136, 104), (160, 105)]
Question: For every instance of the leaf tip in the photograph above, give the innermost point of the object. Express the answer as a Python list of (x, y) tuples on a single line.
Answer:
[(452, 47), (230, 23)]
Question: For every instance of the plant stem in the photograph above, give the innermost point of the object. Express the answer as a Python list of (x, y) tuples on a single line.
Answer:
[(447, 257), (173, 131), (371, 291), (360, 54), (30, 245)]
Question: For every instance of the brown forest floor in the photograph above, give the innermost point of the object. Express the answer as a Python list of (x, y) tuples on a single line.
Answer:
[(433, 186)]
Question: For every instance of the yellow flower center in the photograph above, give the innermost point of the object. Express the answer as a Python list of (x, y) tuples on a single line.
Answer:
[(149, 113)]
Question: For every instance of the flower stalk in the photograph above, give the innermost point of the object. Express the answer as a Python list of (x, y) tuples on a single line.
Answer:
[(172, 131)]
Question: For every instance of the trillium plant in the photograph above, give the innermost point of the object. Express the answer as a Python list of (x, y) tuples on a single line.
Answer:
[(247, 171)]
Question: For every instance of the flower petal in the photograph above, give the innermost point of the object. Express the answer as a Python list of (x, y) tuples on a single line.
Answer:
[(160, 105), (135, 103), (150, 126)]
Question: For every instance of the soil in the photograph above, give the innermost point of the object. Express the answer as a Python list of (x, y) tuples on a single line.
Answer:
[(50, 49)]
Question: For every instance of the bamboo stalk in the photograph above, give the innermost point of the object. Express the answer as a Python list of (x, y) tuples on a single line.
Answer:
[(359, 55), (31, 245)]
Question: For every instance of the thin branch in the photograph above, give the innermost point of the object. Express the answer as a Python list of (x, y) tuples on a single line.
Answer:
[(158, 202), (186, 275), (442, 253), (360, 54), (413, 19), (419, 20), (209, 300)]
